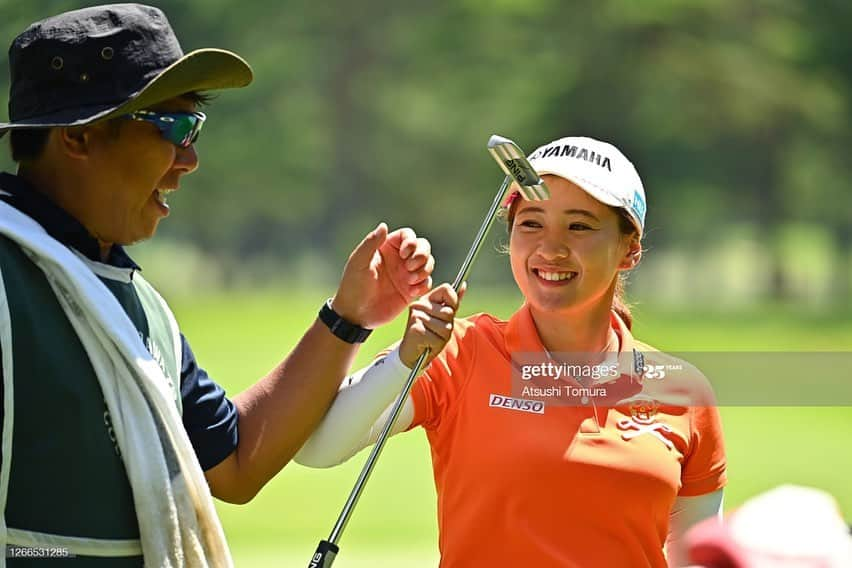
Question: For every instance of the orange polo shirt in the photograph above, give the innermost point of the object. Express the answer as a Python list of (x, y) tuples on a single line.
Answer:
[(525, 481)]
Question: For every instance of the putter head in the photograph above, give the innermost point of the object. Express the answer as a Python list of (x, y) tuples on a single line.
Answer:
[(514, 163)]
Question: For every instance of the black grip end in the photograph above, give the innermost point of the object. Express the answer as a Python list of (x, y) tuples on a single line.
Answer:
[(324, 555)]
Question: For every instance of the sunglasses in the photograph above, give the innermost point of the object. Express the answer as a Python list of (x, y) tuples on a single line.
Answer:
[(179, 128)]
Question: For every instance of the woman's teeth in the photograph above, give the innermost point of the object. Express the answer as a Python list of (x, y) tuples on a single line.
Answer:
[(555, 276)]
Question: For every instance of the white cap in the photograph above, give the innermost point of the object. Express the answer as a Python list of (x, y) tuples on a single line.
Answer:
[(598, 168)]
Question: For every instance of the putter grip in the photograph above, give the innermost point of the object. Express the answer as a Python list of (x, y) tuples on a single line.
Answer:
[(324, 556)]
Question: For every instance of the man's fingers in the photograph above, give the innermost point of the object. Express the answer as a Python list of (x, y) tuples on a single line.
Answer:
[(411, 248), (362, 255), (416, 263), (403, 238), (423, 272), (416, 253), (418, 290)]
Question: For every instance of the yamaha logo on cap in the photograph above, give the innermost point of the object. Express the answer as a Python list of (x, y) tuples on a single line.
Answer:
[(572, 151)]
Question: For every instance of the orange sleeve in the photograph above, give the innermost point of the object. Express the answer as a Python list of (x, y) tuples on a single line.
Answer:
[(704, 468), (436, 390)]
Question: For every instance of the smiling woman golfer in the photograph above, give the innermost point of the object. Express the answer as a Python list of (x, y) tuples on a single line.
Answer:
[(569, 468)]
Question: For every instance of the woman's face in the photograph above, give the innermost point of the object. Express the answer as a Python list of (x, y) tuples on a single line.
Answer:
[(566, 251)]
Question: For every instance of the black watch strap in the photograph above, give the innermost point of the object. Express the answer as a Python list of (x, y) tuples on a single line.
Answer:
[(345, 330)]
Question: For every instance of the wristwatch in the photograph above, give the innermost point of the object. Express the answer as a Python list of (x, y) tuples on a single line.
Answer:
[(345, 330)]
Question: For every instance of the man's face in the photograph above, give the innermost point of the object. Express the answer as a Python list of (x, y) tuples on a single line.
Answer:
[(130, 168)]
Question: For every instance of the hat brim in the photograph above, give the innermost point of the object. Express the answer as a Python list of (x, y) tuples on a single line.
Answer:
[(593, 189), (200, 70)]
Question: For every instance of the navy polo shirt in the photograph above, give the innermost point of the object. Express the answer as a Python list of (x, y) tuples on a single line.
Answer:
[(209, 417)]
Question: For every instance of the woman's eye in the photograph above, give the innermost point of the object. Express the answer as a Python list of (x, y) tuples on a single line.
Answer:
[(579, 227), (530, 223)]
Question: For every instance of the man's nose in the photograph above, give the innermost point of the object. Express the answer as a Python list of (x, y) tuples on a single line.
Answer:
[(186, 159)]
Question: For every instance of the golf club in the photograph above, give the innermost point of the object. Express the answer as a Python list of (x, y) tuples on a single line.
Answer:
[(518, 170)]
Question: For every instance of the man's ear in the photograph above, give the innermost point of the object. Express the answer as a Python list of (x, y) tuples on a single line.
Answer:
[(74, 141), (633, 255)]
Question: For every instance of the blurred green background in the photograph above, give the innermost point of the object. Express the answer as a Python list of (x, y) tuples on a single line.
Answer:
[(735, 113)]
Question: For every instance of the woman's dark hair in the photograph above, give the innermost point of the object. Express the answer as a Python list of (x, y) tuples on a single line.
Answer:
[(625, 225)]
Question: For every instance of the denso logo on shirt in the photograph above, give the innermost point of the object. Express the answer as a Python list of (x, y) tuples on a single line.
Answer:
[(500, 401)]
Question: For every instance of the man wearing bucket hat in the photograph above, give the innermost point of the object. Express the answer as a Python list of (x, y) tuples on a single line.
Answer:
[(555, 441), (113, 437)]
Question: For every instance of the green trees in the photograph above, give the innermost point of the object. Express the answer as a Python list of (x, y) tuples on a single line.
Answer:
[(736, 115)]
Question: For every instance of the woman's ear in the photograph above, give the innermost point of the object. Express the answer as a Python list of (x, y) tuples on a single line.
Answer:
[(633, 254)]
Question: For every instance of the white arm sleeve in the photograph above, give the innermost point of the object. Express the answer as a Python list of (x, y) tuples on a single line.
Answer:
[(687, 512), (358, 413)]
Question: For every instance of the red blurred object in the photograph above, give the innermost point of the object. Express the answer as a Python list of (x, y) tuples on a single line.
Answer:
[(786, 527)]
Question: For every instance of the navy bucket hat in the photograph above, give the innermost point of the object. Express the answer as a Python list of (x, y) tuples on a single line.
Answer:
[(105, 61)]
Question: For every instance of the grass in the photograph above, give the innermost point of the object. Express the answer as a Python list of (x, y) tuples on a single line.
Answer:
[(239, 337)]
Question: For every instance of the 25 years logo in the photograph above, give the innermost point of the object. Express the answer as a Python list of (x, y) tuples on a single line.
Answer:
[(654, 371), (659, 372)]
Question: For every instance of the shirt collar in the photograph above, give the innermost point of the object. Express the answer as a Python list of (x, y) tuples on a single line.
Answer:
[(522, 337), (522, 334), (58, 223)]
